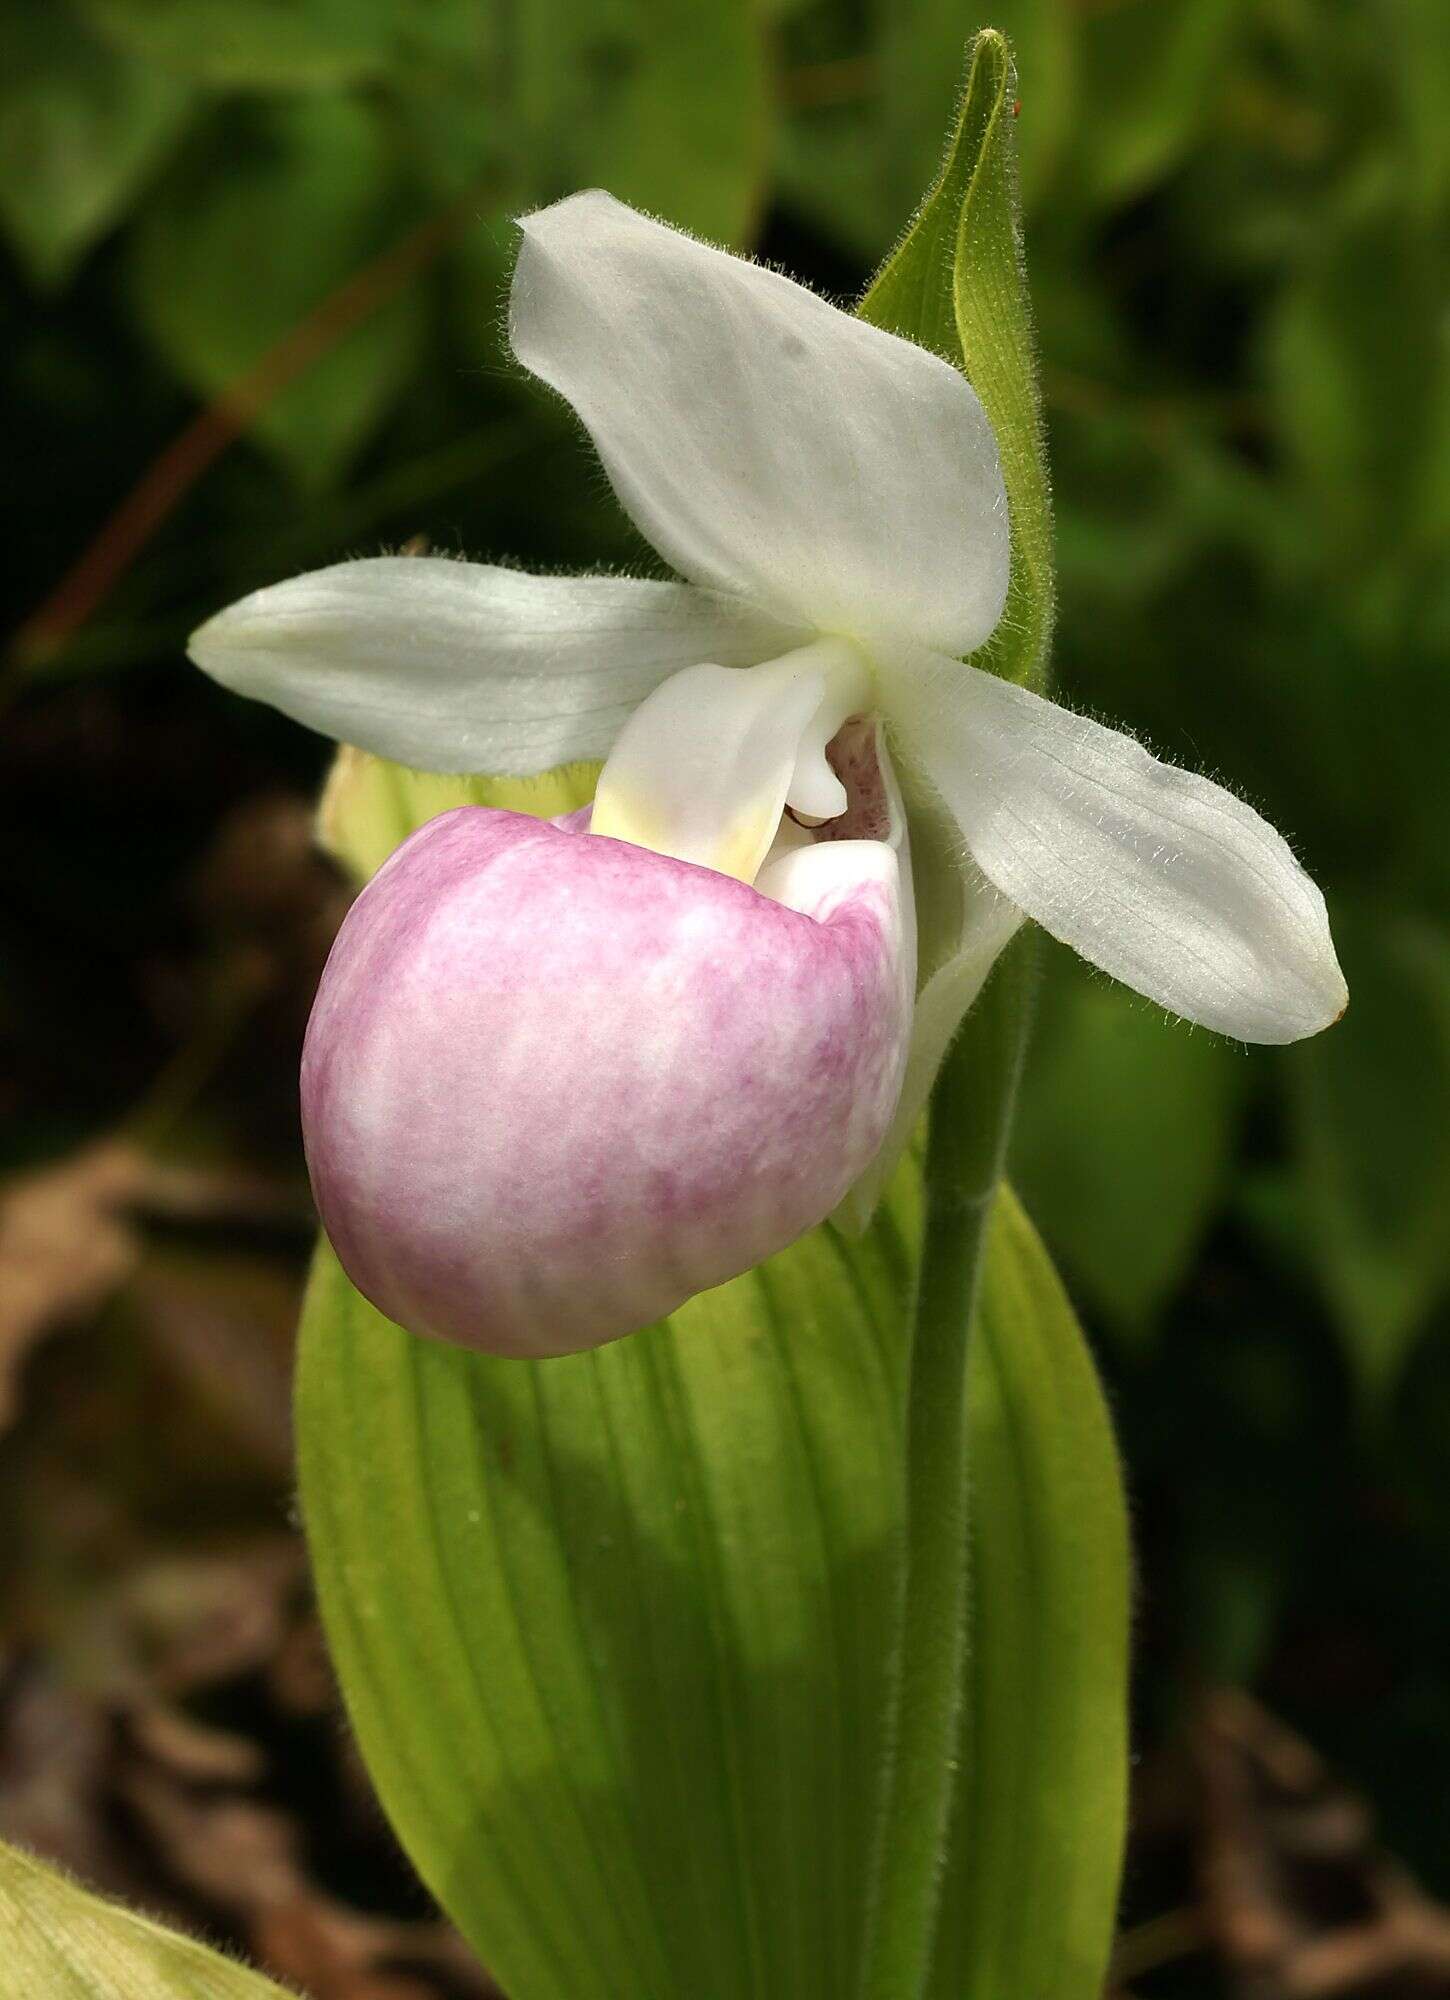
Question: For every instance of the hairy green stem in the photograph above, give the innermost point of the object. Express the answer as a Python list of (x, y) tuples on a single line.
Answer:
[(970, 1114)]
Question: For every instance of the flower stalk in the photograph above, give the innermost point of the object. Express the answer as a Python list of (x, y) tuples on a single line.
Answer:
[(970, 1118)]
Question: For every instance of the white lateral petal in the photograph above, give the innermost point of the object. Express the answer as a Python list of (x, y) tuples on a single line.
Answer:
[(458, 666), (1158, 876), (766, 442), (703, 769)]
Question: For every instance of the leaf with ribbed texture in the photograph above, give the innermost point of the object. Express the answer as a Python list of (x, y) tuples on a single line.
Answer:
[(1036, 1845), (58, 1942), (612, 1627)]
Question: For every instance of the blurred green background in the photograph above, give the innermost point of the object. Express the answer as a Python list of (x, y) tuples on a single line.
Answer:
[(255, 254)]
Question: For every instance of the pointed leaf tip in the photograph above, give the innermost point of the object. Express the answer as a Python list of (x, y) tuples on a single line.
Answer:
[(956, 283)]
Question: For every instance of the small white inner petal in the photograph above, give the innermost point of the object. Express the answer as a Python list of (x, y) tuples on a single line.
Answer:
[(704, 768)]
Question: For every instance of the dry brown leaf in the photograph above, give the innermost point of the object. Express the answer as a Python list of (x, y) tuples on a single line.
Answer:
[(195, 1620), (1298, 1897), (66, 1243), (107, 1772), (202, 1755), (224, 1322)]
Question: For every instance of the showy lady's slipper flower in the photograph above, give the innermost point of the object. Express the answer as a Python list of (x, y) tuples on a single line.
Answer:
[(559, 1077)]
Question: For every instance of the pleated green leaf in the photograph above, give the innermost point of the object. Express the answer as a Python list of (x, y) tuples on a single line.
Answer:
[(613, 1628), (1036, 1846), (58, 1942)]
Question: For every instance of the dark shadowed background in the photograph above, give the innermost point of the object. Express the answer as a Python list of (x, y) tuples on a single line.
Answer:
[(254, 260)]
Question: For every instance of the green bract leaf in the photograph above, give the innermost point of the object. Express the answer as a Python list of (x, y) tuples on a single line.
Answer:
[(1125, 1127), (57, 1942), (956, 284), (229, 262), (1031, 1883), (921, 46), (81, 125)]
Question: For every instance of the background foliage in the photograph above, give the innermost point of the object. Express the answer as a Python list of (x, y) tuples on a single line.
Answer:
[(1237, 228)]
